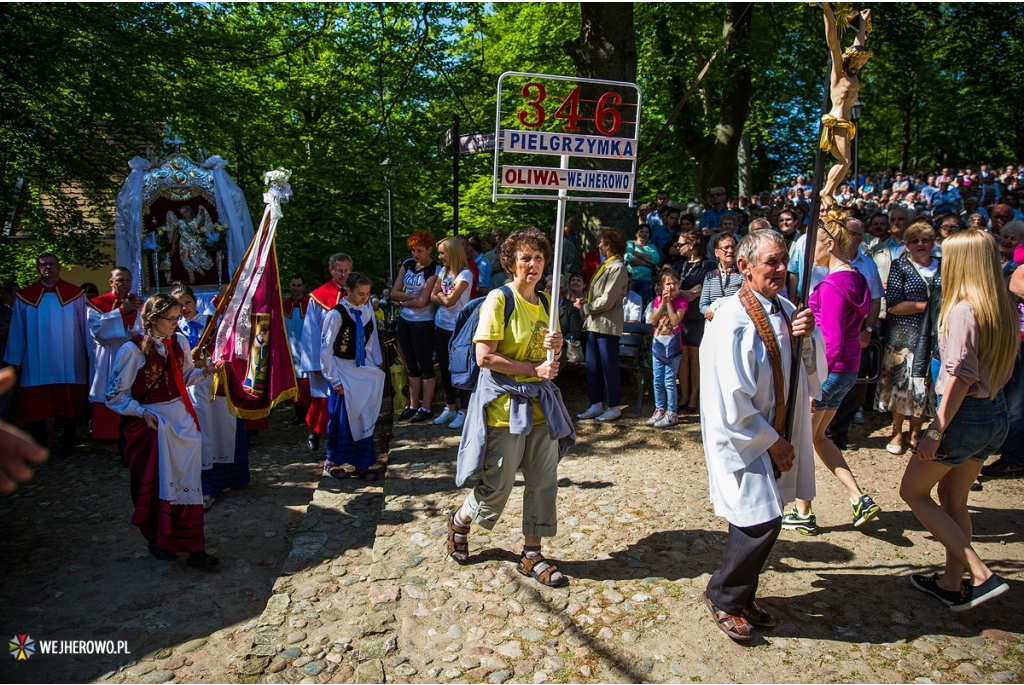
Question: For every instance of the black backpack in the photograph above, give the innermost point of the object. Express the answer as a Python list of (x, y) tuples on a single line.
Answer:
[(462, 350)]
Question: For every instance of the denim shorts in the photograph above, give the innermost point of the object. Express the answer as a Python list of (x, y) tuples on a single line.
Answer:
[(976, 432), (834, 389)]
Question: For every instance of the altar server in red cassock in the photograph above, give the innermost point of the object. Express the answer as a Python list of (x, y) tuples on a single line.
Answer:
[(113, 320), (48, 344), (148, 386), (323, 299)]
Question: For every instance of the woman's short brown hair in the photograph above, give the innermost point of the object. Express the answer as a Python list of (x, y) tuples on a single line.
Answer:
[(615, 238), (919, 229), (529, 237)]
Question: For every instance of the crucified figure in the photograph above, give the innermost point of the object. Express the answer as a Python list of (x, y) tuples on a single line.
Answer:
[(838, 130)]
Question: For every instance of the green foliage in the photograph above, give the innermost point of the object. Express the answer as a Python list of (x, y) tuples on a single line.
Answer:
[(330, 90)]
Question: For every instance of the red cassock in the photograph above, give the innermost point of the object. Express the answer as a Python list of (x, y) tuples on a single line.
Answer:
[(327, 296)]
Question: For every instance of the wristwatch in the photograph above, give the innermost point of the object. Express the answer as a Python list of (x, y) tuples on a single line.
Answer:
[(869, 329), (932, 434)]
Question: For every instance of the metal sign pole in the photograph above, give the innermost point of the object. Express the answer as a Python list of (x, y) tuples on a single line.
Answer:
[(556, 268)]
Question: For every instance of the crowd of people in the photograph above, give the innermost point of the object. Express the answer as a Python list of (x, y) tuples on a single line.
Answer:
[(922, 272)]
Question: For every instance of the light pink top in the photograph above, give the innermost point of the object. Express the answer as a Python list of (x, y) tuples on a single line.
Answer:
[(958, 347)]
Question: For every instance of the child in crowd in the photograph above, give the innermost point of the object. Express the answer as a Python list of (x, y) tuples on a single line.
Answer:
[(666, 316)]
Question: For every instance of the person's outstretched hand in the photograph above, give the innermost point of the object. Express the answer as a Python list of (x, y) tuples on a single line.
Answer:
[(18, 451)]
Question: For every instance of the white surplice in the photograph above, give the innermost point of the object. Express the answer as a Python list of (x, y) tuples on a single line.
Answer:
[(108, 335), (310, 349), (737, 406), (363, 385), (217, 423), (49, 341)]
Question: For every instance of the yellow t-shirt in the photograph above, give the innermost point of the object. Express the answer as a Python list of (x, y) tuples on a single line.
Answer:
[(522, 340)]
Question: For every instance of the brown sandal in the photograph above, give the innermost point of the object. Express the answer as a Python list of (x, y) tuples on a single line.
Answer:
[(736, 627), (339, 472), (757, 616), (528, 567), (368, 476), (458, 540)]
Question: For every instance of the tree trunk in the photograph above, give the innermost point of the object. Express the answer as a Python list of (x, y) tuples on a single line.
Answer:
[(716, 153), (745, 189), (605, 49)]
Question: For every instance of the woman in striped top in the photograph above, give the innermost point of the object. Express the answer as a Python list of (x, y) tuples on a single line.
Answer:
[(725, 280)]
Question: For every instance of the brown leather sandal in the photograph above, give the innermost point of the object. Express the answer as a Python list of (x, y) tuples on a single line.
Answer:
[(458, 540), (757, 616), (736, 627), (528, 566)]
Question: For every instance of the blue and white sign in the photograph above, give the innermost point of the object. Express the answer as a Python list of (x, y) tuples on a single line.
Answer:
[(565, 138)]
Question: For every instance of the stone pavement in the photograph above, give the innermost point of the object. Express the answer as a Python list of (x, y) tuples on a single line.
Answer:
[(363, 592)]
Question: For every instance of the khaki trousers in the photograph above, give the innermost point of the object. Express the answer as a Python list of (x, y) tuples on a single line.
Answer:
[(536, 455)]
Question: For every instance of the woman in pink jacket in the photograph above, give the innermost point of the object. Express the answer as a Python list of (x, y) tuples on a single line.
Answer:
[(840, 305)]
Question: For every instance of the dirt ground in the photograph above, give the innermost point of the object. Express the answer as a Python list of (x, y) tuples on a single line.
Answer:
[(370, 597)]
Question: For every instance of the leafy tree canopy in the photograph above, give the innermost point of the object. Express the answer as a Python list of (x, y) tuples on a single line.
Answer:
[(331, 90)]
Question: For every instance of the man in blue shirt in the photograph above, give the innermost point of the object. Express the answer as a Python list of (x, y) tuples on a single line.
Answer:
[(711, 216)]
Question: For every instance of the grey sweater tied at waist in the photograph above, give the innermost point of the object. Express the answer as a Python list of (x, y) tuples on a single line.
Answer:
[(490, 387)]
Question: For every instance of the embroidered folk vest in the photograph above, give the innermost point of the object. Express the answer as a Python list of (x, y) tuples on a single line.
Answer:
[(153, 383), (344, 344)]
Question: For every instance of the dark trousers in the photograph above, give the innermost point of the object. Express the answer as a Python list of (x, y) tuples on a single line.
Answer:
[(1013, 447), (67, 426), (734, 583), (603, 375)]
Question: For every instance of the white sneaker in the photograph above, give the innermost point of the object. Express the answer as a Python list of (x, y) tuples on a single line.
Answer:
[(460, 419), (670, 419), (658, 415), (859, 416), (444, 417), (609, 414), (591, 413)]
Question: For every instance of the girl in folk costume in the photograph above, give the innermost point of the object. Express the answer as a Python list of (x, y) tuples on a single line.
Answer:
[(162, 441), (225, 452), (351, 361)]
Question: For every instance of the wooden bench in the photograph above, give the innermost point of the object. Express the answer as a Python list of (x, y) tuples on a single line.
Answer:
[(635, 356)]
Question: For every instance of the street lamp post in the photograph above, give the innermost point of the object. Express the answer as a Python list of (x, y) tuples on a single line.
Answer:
[(389, 173), (855, 112)]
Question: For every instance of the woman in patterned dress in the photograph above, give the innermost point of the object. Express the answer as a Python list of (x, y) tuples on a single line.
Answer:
[(904, 386)]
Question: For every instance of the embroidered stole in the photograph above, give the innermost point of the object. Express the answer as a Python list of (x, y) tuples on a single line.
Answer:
[(767, 334)]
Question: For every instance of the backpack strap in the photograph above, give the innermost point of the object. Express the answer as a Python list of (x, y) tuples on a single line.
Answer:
[(510, 302)]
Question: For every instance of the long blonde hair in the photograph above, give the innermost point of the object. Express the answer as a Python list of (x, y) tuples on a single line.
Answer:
[(971, 274), (456, 255)]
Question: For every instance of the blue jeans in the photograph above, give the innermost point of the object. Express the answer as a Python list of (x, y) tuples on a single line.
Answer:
[(665, 392), (834, 389), (975, 432)]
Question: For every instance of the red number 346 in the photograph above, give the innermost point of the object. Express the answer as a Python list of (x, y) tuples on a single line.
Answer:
[(607, 117)]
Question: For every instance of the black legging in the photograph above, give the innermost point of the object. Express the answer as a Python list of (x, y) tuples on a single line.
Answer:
[(451, 393), (414, 342)]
